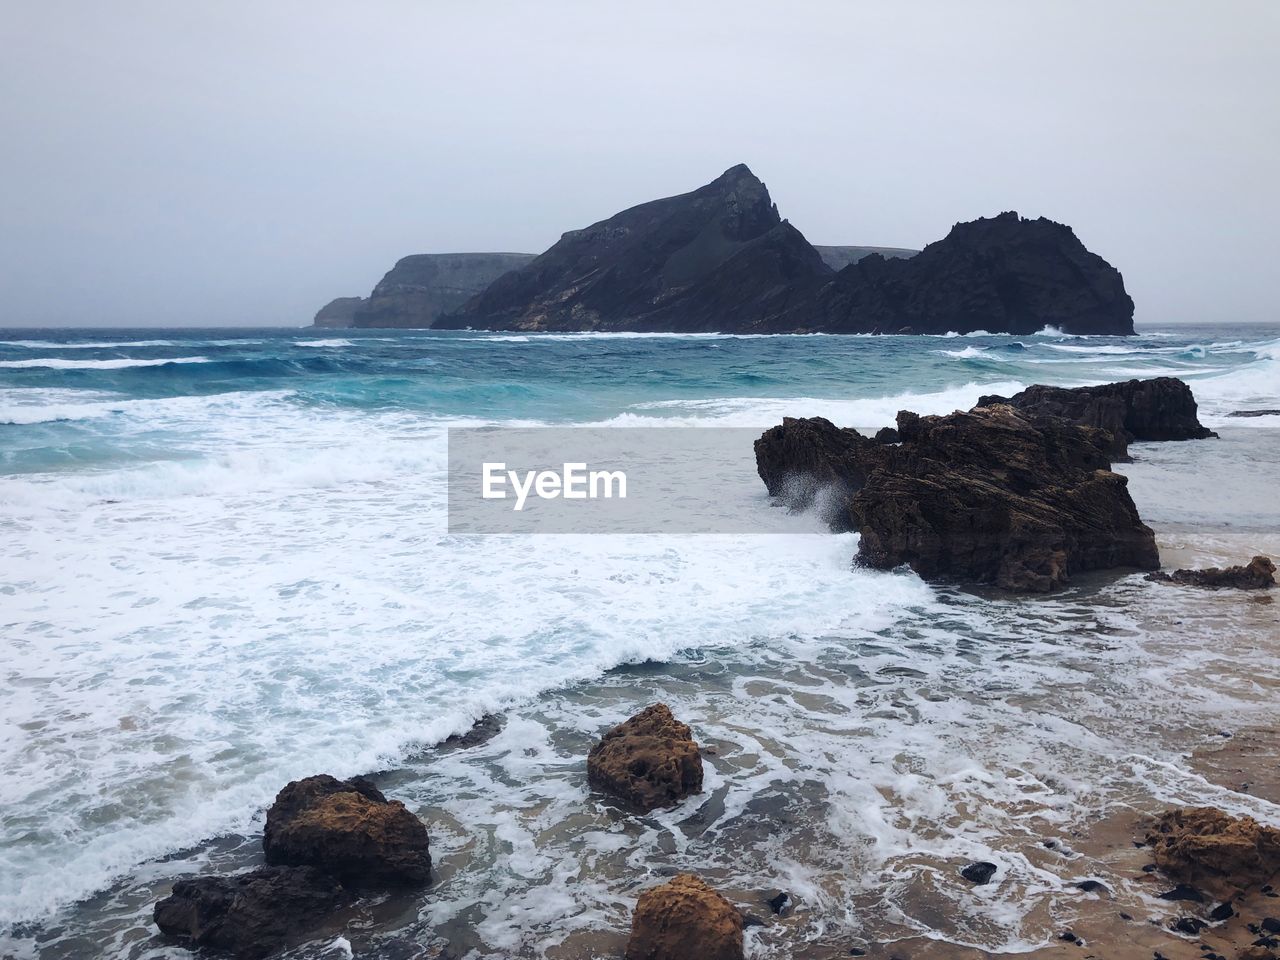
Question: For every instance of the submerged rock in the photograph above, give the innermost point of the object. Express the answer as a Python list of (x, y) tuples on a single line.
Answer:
[(1258, 574), (1163, 408), (348, 828), (1209, 850), (249, 914), (682, 920), (649, 761), (992, 496)]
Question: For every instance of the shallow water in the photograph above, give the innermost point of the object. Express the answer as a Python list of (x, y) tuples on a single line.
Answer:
[(225, 574)]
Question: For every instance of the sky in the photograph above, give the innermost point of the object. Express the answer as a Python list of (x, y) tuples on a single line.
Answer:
[(242, 163)]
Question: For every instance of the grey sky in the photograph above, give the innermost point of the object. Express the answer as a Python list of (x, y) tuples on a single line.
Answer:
[(241, 163)]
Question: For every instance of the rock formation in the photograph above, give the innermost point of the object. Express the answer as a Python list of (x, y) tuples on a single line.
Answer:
[(1212, 851), (991, 496), (339, 313), (1002, 274), (1159, 409), (1258, 574), (348, 828), (682, 920), (648, 761), (421, 288), (721, 259), (249, 914)]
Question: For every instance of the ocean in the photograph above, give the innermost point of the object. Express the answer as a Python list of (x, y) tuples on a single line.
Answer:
[(224, 565)]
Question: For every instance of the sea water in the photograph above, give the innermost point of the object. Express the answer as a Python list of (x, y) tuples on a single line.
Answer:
[(224, 564)]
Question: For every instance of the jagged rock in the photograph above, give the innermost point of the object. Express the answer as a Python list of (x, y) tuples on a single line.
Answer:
[(249, 914), (1258, 574), (649, 761), (980, 872), (1212, 851), (886, 435), (1001, 274), (339, 313), (423, 287), (721, 259), (348, 828), (1163, 408), (990, 496), (717, 258), (682, 920)]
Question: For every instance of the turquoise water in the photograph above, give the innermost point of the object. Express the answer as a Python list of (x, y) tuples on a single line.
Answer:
[(224, 561)]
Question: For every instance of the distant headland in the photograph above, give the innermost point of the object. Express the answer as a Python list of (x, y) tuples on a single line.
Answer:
[(722, 260)]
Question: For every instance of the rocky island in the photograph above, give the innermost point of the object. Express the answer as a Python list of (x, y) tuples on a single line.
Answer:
[(721, 259)]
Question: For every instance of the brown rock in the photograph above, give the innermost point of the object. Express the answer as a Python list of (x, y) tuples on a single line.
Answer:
[(990, 496), (649, 761), (349, 828), (1213, 851), (685, 920), (1258, 574), (249, 914)]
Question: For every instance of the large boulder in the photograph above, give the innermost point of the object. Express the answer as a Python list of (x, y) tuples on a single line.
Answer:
[(1163, 408), (991, 496), (685, 919), (249, 914), (348, 828), (1213, 851), (1258, 574), (648, 761)]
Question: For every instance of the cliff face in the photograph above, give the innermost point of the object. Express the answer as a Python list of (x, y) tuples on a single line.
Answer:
[(421, 288), (338, 313), (1003, 274), (672, 264)]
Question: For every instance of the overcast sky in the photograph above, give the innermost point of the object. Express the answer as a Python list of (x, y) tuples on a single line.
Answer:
[(242, 163)]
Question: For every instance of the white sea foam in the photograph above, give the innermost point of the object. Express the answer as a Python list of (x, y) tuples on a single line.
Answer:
[(58, 363), (87, 344), (335, 342), (20, 406)]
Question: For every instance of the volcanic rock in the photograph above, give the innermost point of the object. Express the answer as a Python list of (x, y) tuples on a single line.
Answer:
[(1212, 851), (682, 920), (249, 914), (348, 828), (1159, 409), (1002, 274), (990, 496), (721, 259), (1258, 574), (648, 761), (980, 872)]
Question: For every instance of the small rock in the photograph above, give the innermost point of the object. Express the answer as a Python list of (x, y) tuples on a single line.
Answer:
[(1189, 925), (348, 828), (752, 920), (980, 872), (685, 918), (1092, 886), (249, 915), (780, 904), (1182, 892), (1270, 925), (649, 761), (1126, 916), (1223, 911)]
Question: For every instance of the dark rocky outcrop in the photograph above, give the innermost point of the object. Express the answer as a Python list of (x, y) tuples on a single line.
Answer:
[(348, 828), (339, 313), (992, 496), (721, 259), (717, 258), (1212, 851), (682, 920), (1254, 413), (249, 915), (421, 288), (648, 761), (1258, 574), (1002, 274), (1163, 408), (837, 258)]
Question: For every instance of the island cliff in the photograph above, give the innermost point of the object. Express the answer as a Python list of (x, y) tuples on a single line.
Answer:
[(721, 259)]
